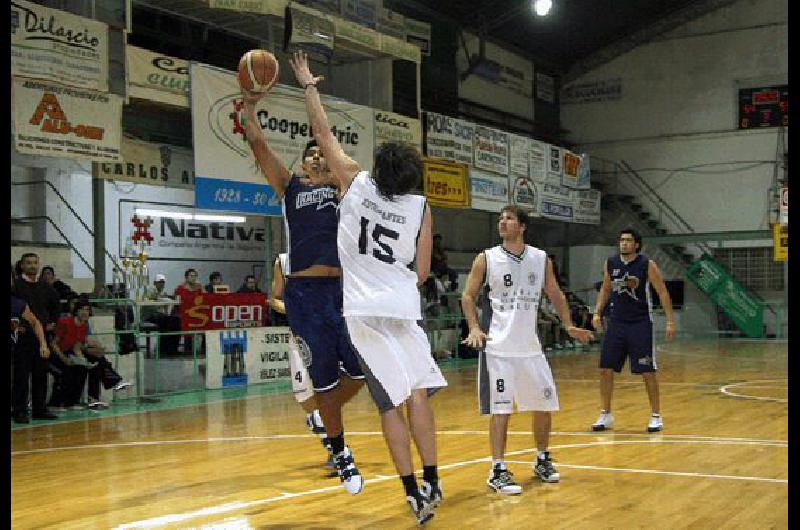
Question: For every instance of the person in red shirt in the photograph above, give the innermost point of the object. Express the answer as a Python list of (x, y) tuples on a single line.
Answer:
[(185, 291)]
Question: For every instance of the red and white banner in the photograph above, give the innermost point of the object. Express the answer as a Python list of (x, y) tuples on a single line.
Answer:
[(784, 220), (205, 311), (56, 120)]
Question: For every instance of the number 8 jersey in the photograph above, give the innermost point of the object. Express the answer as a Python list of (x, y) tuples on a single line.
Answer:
[(377, 240), (510, 312)]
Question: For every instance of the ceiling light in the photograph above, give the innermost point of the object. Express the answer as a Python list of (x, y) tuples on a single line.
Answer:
[(542, 7), (192, 216)]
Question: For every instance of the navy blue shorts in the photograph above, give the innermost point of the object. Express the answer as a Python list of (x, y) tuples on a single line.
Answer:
[(631, 339), (314, 308)]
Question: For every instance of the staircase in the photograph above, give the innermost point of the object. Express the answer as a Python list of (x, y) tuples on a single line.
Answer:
[(635, 203)]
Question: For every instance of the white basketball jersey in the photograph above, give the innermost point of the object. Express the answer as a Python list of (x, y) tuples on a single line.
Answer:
[(514, 290), (377, 242)]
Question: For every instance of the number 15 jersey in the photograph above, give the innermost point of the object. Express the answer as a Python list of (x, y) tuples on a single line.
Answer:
[(514, 288), (377, 240)]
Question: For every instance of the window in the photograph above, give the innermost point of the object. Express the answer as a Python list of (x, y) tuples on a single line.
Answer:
[(754, 268)]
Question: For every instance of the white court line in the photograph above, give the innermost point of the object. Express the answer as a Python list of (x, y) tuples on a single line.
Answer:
[(375, 433), (724, 389), (656, 472), (223, 508)]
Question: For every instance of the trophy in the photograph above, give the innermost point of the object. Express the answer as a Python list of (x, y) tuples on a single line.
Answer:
[(134, 260)]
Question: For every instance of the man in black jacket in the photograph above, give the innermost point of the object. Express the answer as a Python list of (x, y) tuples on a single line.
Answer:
[(30, 369)]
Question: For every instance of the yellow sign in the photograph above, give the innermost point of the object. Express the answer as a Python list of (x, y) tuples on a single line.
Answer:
[(780, 240), (446, 184)]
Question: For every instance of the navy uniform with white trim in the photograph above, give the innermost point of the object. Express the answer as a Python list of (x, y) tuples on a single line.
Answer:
[(630, 324)]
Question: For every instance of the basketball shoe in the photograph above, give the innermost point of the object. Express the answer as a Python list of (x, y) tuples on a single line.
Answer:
[(655, 424), (501, 481), (544, 469), (421, 506), (351, 479), (605, 421), (433, 491)]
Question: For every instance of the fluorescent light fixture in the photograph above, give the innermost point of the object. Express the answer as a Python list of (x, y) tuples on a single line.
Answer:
[(542, 7), (192, 216)]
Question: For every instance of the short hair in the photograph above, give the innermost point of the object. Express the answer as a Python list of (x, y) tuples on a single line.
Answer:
[(637, 237), (81, 302), (397, 169), (188, 272), (214, 276), (28, 255), (311, 143), (47, 268), (519, 213), (248, 277)]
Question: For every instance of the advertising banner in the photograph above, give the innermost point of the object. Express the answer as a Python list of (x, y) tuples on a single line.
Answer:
[(556, 202), (745, 311), (449, 138), (262, 7), (364, 12), (249, 356), (570, 165), (446, 184), (227, 175), (780, 238), (587, 207), (58, 46), (592, 92), (525, 193), (555, 167), (518, 155), (489, 191), (491, 150), (784, 207), (150, 163), (183, 239), (584, 174), (157, 77), (538, 161), (205, 311), (391, 127), (55, 120)]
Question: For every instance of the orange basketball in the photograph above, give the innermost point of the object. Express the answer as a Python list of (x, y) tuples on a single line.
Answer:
[(258, 71)]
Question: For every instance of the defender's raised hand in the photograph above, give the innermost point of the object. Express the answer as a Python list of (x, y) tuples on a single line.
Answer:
[(299, 64)]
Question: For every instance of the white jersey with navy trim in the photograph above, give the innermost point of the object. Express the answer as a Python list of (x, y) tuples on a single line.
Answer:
[(511, 312), (377, 240)]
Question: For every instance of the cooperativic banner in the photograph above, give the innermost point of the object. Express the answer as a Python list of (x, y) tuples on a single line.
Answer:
[(58, 46), (449, 138), (56, 120), (157, 77), (227, 177)]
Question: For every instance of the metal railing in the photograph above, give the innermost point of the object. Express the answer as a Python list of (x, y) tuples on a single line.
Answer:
[(61, 233)]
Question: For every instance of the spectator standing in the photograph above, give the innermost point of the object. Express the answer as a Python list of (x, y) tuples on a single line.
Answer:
[(214, 279), (30, 365), (190, 287)]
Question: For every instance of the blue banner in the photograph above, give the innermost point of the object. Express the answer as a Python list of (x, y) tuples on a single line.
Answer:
[(234, 196)]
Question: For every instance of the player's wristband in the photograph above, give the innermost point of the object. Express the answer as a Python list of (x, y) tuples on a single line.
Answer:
[(310, 83)]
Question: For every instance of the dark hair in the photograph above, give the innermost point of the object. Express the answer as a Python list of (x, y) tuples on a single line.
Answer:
[(519, 213), (188, 272), (81, 302), (397, 170), (47, 268), (637, 237), (214, 275), (309, 145), (248, 277), (28, 255)]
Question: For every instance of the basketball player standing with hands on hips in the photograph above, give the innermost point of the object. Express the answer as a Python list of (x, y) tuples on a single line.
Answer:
[(512, 366), (313, 294), (383, 231)]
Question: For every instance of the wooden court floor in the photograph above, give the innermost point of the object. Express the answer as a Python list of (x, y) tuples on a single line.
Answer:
[(721, 461)]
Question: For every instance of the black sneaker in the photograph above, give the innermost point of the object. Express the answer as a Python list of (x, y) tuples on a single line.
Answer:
[(421, 506), (351, 479), (545, 470), (502, 481), (433, 491)]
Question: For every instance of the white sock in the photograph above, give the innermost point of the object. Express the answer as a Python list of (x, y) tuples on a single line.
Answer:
[(656, 415), (498, 464), (543, 455)]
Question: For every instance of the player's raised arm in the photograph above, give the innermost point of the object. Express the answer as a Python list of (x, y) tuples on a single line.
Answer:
[(556, 296), (476, 338), (273, 169), (654, 276), (342, 166)]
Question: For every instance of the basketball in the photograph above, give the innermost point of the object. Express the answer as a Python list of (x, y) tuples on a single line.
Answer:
[(258, 71)]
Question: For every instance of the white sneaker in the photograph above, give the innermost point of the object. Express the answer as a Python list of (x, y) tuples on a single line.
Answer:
[(122, 385), (96, 404), (501, 481), (655, 424), (351, 479), (605, 421)]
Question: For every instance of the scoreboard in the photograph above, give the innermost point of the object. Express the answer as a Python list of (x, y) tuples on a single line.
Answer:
[(764, 107)]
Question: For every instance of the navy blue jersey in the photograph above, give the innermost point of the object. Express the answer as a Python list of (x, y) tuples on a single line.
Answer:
[(310, 215), (630, 293)]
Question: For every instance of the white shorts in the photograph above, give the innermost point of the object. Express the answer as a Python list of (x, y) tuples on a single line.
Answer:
[(395, 356), (301, 382), (528, 381)]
